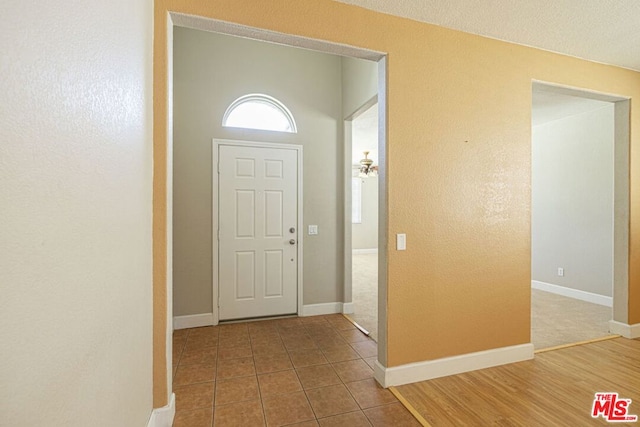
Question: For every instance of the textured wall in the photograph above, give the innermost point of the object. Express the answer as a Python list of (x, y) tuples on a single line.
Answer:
[(75, 197), (572, 201), (459, 166)]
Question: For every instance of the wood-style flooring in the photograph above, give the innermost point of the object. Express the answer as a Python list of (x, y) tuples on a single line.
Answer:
[(556, 388)]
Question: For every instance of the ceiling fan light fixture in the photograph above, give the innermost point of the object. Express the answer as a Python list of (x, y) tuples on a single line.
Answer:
[(366, 167)]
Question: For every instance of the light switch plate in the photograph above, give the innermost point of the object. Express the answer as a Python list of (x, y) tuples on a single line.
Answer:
[(401, 242), (313, 229)]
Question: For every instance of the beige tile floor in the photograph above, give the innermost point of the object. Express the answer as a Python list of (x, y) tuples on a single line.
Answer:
[(309, 371)]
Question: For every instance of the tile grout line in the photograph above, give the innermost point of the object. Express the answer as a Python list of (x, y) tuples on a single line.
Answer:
[(215, 384), (306, 331), (315, 416), (253, 358)]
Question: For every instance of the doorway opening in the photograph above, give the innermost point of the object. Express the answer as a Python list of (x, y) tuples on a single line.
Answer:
[(322, 164), (363, 156), (579, 214)]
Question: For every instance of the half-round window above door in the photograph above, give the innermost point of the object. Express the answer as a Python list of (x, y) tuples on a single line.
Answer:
[(258, 111)]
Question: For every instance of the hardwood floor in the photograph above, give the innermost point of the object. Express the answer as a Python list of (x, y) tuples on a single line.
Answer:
[(555, 389)]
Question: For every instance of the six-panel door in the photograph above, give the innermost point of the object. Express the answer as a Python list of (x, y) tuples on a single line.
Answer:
[(258, 231)]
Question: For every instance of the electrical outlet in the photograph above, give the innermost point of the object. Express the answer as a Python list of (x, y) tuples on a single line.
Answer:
[(313, 230), (560, 271)]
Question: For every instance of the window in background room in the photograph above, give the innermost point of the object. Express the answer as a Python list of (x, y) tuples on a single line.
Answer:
[(356, 200)]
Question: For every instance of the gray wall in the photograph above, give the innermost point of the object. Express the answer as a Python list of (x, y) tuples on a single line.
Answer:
[(210, 72), (359, 83), (572, 201)]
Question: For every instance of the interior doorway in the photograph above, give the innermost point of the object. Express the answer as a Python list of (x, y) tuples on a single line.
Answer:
[(579, 205), (364, 218), (318, 163)]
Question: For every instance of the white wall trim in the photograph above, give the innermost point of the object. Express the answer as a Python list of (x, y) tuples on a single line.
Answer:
[(163, 417), (421, 371), (627, 331), (573, 293), (206, 319), (347, 308), (365, 251), (318, 309), (193, 321)]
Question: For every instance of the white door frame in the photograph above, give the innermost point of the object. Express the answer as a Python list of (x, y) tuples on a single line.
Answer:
[(215, 213)]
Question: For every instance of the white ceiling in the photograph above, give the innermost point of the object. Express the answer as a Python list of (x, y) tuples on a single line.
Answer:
[(606, 31)]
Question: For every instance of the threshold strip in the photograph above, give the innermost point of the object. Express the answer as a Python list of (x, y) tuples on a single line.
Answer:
[(363, 330), (575, 344), (409, 407)]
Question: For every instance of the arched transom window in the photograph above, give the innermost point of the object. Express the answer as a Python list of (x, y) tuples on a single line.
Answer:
[(258, 111)]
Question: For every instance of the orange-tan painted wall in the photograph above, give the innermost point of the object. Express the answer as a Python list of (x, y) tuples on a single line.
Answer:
[(459, 160)]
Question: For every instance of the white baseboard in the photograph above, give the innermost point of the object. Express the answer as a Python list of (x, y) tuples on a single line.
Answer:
[(573, 293), (318, 309), (163, 417), (193, 321), (364, 251), (347, 308), (627, 331), (430, 369), (206, 319)]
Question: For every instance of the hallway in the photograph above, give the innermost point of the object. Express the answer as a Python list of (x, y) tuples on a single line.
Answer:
[(306, 371)]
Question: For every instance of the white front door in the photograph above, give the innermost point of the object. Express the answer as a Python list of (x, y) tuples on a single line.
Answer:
[(258, 231)]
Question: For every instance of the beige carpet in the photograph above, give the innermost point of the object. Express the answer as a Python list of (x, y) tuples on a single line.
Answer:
[(558, 320), (364, 290), (555, 320)]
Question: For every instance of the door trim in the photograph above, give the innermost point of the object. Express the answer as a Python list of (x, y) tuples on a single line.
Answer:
[(216, 143)]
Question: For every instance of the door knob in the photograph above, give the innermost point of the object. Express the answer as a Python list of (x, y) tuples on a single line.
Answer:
[(292, 230), (292, 242)]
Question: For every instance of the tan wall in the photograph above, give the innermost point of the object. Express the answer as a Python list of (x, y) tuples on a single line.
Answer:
[(210, 72), (459, 159)]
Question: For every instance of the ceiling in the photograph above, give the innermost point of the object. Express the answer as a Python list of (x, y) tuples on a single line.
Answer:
[(606, 31)]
